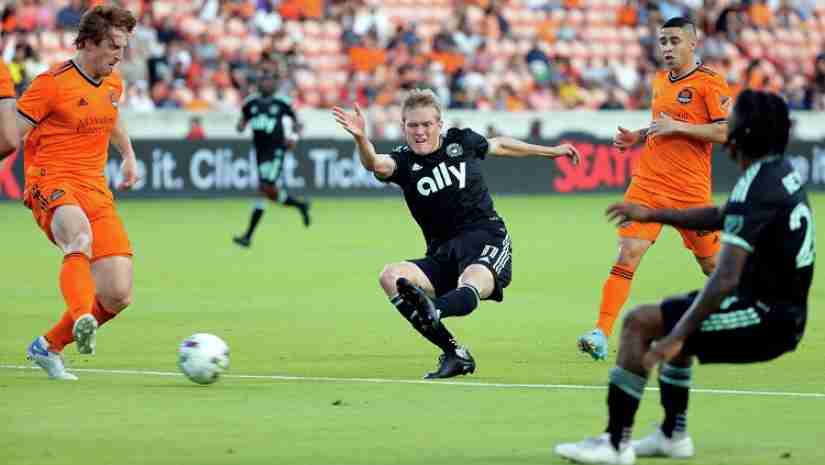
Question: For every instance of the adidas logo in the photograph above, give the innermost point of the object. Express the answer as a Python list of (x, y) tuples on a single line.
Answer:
[(82, 102), (416, 167)]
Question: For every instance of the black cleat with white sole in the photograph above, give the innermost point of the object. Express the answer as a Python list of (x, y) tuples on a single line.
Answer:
[(457, 362)]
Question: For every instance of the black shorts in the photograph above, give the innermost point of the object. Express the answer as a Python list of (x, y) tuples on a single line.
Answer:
[(487, 245), (741, 331), (270, 166)]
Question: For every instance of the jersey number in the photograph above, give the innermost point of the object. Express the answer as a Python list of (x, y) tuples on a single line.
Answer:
[(805, 257)]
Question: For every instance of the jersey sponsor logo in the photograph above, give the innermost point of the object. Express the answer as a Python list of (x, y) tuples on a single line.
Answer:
[(83, 102), (95, 125), (454, 150), (416, 167), (685, 96), (263, 122), (442, 176)]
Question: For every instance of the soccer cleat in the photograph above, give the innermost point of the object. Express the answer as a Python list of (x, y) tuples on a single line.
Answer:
[(595, 344), (458, 362), (305, 213), (424, 308), (51, 362), (597, 450), (656, 444), (242, 241), (84, 332)]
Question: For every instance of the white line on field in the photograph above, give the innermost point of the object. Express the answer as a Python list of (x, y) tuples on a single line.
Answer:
[(417, 381)]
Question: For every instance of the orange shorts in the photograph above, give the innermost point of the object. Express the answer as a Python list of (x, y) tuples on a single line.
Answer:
[(703, 244), (109, 237)]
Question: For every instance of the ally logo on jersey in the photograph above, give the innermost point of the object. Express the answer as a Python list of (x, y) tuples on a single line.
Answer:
[(442, 176)]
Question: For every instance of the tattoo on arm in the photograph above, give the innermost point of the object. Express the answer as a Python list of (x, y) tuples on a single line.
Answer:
[(643, 134)]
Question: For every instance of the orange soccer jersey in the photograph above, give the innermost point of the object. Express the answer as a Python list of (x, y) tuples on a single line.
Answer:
[(65, 154), (6, 82), (679, 167), (73, 118)]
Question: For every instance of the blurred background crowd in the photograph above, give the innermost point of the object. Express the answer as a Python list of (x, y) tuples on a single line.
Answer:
[(476, 54)]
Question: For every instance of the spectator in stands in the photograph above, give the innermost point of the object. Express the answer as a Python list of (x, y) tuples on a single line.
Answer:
[(196, 131), (816, 91), (138, 99), (69, 16), (613, 102)]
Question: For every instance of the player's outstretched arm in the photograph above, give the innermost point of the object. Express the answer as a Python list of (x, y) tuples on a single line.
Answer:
[(354, 123), (509, 147), (666, 126), (701, 218), (721, 283), (120, 139)]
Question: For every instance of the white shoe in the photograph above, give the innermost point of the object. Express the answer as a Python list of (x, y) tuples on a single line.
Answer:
[(597, 450), (84, 332), (38, 352), (656, 444)]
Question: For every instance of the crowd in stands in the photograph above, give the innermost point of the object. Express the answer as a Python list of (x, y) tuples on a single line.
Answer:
[(475, 54)]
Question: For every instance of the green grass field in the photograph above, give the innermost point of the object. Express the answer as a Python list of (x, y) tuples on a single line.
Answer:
[(303, 311)]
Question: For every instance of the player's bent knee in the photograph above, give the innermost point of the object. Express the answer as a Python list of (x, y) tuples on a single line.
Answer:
[(388, 276), (80, 243), (635, 321), (631, 251)]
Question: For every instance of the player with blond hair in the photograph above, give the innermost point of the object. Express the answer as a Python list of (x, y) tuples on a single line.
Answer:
[(468, 256)]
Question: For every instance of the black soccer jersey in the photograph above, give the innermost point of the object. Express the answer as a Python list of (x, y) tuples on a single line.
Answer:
[(445, 190), (768, 214), (267, 117)]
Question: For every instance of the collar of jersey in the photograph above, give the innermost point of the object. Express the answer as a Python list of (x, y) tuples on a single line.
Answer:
[(670, 74), (85, 76)]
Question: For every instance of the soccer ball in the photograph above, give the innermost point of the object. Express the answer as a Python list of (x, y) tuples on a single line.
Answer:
[(203, 357)]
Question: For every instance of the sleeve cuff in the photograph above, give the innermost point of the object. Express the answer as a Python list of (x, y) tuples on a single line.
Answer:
[(737, 241), (27, 117)]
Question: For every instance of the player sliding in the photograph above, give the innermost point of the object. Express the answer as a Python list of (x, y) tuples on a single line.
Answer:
[(468, 256), (690, 104), (752, 309)]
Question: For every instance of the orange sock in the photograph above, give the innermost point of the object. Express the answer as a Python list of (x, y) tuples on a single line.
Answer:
[(77, 284), (61, 334), (101, 314), (614, 295)]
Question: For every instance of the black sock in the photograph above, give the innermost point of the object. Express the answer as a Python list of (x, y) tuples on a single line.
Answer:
[(291, 201), (438, 336), (674, 385), (623, 397), (458, 302), (257, 213)]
